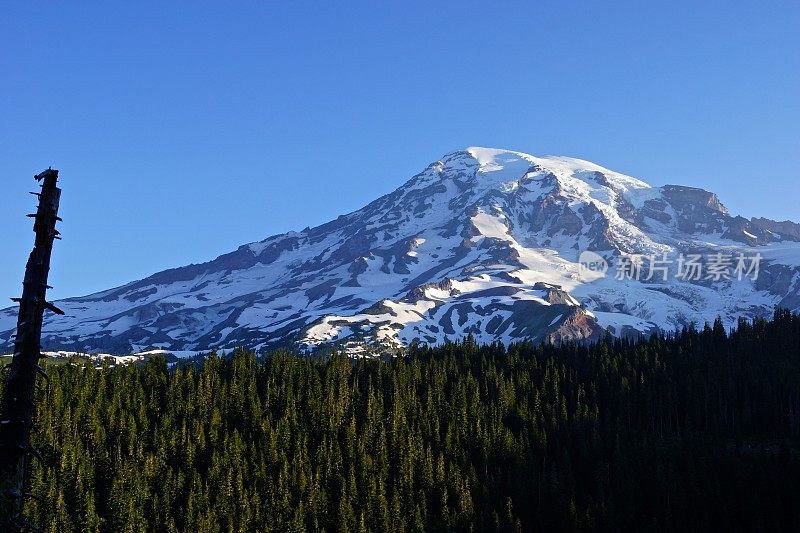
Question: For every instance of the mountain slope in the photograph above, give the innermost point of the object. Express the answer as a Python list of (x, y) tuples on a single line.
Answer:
[(484, 242)]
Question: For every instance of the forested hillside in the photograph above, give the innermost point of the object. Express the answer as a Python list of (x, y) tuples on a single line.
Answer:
[(698, 430)]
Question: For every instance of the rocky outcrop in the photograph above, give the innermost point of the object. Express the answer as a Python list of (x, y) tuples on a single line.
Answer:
[(786, 229), (698, 210), (576, 326)]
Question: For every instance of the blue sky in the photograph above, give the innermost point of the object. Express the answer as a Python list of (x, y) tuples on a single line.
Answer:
[(184, 129)]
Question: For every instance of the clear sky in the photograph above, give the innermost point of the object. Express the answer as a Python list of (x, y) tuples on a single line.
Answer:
[(184, 129)]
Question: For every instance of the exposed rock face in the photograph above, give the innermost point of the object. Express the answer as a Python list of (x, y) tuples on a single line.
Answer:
[(557, 296), (697, 210), (691, 198), (483, 242), (781, 280), (577, 326), (787, 230)]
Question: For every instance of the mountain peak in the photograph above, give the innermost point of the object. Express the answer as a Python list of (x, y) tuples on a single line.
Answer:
[(484, 241), (503, 163)]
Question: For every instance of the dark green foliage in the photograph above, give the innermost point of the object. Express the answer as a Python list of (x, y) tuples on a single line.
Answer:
[(697, 431)]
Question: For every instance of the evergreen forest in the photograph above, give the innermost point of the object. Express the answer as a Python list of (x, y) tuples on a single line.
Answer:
[(694, 430)]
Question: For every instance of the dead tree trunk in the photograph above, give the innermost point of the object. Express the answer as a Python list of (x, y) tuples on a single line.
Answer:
[(18, 409)]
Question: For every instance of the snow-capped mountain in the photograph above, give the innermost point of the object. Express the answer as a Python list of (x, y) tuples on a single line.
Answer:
[(485, 242)]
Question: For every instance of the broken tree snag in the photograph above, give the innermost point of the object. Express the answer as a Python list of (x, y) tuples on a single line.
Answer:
[(18, 409)]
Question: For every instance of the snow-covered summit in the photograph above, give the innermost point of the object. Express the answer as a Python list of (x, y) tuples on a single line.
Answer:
[(501, 165), (483, 241)]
